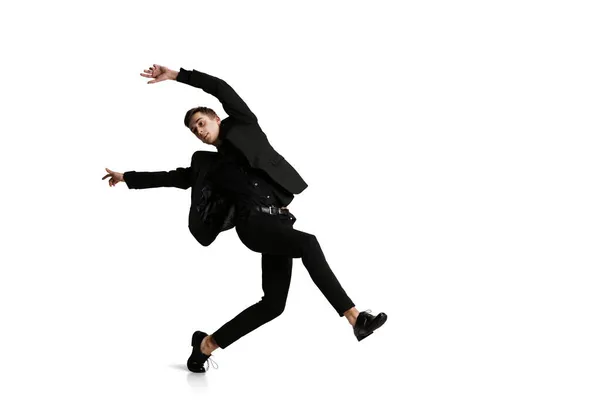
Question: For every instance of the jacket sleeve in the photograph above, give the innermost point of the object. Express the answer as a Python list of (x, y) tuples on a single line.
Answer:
[(233, 104), (180, 178)]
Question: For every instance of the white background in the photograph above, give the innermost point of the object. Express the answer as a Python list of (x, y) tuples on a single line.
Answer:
[(451, 154)]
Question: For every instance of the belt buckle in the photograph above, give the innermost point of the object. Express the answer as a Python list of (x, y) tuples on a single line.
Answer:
[(272, 213)]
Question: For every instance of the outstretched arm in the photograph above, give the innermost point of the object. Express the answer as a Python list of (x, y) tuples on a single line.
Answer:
[(180, 178)]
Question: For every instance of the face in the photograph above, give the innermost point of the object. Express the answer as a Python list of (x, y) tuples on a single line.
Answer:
[(205, 128)]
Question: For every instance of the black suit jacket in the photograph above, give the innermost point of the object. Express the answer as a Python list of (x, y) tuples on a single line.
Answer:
[(211, 212), (241, 128)]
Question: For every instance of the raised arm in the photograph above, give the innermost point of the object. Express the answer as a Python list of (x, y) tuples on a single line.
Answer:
[(232, 103)]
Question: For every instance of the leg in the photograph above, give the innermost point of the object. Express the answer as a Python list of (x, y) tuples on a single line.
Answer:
[(268, 234), (276, 277), (351, 315), (208, 345)]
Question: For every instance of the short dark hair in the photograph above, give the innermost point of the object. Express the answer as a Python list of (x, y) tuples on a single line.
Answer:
[(209, 112)]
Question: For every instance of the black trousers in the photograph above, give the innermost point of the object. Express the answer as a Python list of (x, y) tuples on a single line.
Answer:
[(279, 243)]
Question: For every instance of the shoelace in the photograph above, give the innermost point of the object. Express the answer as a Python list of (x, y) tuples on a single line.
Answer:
[(366, 311), (366, 318), (210, 361)]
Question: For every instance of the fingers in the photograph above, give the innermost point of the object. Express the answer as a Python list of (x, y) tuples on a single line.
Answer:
[(148, 72), (113, 179), (107, 175), (156, 72)]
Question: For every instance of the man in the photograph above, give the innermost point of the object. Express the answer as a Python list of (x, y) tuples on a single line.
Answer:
[(245, 184)]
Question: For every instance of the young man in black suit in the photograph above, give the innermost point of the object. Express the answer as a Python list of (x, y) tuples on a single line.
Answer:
[(249, 186)]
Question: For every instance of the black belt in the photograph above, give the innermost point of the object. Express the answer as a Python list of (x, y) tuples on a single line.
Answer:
[(273, 210)]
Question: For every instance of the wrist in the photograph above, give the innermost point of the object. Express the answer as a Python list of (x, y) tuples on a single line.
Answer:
[(173, 74)]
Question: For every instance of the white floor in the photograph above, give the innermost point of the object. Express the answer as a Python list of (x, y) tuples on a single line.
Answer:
[(129, 337)]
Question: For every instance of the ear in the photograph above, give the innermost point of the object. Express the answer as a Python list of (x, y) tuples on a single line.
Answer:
[(218, 120)]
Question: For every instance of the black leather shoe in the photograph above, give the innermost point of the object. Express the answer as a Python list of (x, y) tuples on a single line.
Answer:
[(197, 359), (367, 323)]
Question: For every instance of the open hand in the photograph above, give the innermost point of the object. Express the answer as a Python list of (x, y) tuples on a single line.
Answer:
[(159, 73), (115, 177)]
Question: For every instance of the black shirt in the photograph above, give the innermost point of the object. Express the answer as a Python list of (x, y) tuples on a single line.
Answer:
[(233, 176)]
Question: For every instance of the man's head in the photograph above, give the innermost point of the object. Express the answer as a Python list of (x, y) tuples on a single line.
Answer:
[(204, 123)]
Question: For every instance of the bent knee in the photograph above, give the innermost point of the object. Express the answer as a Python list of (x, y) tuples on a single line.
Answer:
[(273, 308), (311, 242), (311, 239)]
